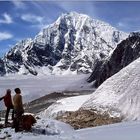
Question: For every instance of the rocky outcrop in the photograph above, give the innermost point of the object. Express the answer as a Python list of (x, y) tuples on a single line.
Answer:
[(2, 68), (87, 118), (126, 52)]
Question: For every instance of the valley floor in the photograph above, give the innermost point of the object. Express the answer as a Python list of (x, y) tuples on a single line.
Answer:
[(34, 87)]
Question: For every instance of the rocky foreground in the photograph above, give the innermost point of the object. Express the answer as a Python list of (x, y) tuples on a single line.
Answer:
[(78, 119), (87, 118)]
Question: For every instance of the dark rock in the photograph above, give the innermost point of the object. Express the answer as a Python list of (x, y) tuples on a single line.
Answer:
[(126, 52), (2, 68)]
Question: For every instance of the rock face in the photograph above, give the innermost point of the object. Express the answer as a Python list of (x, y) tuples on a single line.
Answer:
[(126, 52), (71, 44), (2, 68)]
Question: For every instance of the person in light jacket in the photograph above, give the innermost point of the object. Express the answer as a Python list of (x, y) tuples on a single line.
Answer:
[(18, 108)]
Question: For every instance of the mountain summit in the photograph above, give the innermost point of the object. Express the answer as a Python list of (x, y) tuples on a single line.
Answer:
[(72, 44)]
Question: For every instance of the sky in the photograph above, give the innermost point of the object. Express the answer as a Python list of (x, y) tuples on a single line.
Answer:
[(24, 19)]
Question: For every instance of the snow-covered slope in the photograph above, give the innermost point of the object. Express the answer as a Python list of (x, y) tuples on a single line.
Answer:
[(63, 105), (120, 94), (72, 44), (126, 52), (121, 131), (54, 130)]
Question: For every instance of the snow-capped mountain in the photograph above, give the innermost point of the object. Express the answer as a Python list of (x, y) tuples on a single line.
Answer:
[(119, 94), (126, 52), (71, 44)]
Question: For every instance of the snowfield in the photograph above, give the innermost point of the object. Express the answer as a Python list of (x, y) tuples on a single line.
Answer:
[(53, 130), (120, 94), (33, 87), (63, 105)]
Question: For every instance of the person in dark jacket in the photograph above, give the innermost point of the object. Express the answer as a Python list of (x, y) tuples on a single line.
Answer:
[(8, 103), (18, 108)]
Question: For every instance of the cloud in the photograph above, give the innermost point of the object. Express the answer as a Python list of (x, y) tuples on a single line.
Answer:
[(49, 14), (19, 4), (7, 19), (129, 23), (5, 36), (38, 26), (78, 6), (32, 18), (121, 24)]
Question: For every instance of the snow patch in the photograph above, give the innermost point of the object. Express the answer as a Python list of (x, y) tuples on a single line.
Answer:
[(63, 105)]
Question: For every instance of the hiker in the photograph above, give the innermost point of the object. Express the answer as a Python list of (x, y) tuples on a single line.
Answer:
[(8, 103), (18, 108)]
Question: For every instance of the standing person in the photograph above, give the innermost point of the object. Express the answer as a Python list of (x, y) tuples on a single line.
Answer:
[(8, 103), (18, 108)]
